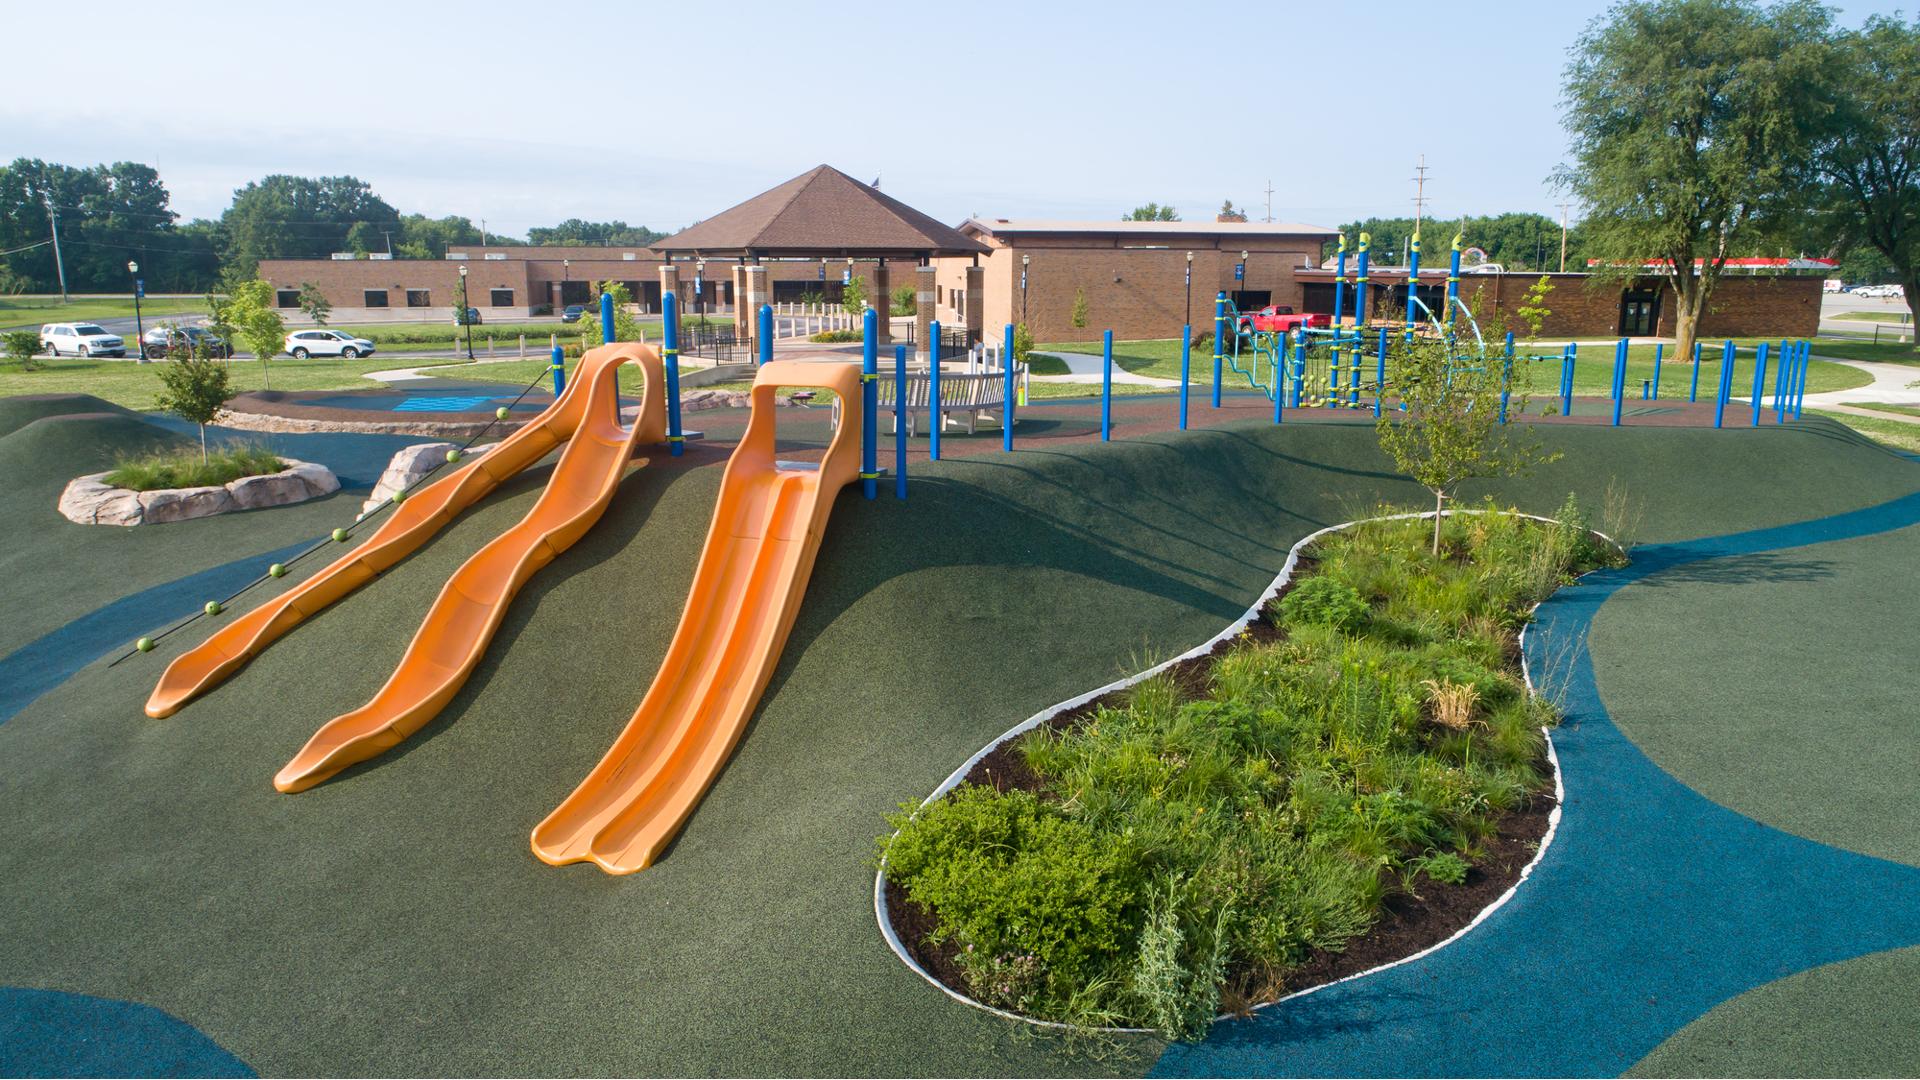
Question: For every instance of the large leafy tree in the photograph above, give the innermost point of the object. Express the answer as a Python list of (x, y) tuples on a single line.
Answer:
[(301, 217), (609, 233), (1692, 122), (1515, 240), (1870, 159), (1152, 211), (108, 215)]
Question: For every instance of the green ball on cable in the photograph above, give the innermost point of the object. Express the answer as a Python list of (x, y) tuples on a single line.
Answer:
[(453, 456), (214, 608), (399, 497), (340, 535), (500, 413), (145, 644), (277, 570)]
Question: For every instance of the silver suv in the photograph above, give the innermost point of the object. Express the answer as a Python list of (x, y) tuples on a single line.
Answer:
[(80, 339)]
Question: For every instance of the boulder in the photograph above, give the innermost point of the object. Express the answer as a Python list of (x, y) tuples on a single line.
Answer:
[(317, 479), (183, 504), (90, 500), (699, 400), (409, 464), (273, 489)]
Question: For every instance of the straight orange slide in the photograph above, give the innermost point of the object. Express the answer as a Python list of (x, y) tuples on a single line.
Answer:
[(469, 609), (753, 572), (407, 526)]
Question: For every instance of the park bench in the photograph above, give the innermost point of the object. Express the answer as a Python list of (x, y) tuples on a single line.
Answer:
[(965, 397)]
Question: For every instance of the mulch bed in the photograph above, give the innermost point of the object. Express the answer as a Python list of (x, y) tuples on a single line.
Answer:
[(1409, 922)]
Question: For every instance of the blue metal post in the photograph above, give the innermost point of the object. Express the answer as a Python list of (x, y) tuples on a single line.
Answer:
[(1106, 386), (559, 368), (1506, 378), (766, 335), (1759, 380), (1781, 380), (1726, 383), (607, 336), (1280, 375), (1339, 310), (1619, 379), (1567, 361), (900, 422), (1299, 362), (1800, 388), (1453, 284), (1219, 331), (869, 396), (1379, 372), (1359, 320), (1693, 388), (670, 353), (934, 420), (1186, 371), (1659, 350), (1006, 391), (1413, 281)]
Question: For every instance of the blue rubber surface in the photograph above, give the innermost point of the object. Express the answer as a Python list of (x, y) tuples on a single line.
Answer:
[(1652, 905), (50, 1033), (357, 459), (46, 662)]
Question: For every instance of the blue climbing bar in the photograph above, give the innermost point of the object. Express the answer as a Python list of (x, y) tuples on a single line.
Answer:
[(1413, 281), (1567, 361), (869, 395), (1186, 372), (670, 355), (1379, 372), (1006, 390), (1759, 380), (900, 422), (1693, 388), (1339, 309), (1659, 350), (1453, 284), (934, 420), (765, 334), (1506, 378), (1106, 386), (1219, 333), (1727, 356), (1619, 379)]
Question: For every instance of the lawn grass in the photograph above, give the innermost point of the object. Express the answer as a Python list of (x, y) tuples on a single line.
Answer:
[(133, 385), (1881, 406), (184, 468), (1887, 352), (1897, 434), (1179, 849), (1890, 315), (505, 335), (32, 311), (1592, 370)]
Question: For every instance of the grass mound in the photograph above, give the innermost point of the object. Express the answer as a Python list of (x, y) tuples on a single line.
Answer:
[(184, 468), (1193, 845), (54, 449), (18, 411)]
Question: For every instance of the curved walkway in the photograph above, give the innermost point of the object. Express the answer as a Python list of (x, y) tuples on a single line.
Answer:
[(1893, 384), (1085, 368), (1653, 906)]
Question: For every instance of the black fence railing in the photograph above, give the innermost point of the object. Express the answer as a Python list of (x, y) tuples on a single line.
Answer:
[(953, 341), (713, 342)]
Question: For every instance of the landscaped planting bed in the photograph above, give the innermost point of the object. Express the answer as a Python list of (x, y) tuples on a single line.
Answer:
[(1348, 781)]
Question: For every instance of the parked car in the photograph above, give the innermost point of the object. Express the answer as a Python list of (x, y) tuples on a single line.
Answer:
[(573, 313), (472, 319), (80, 339), (305, 343), (1279, 318), (163, 339), (1833, 284)]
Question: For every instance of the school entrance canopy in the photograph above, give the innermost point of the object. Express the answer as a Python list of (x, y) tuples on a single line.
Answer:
[(821, 214)]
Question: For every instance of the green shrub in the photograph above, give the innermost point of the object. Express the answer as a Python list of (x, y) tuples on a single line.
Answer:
[(21, 345), (836, 336), (903, 300), (1323, 601), (180, 470)]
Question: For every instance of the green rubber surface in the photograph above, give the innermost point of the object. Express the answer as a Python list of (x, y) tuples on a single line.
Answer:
[(392, 921), (1856, 1018), (1782, 686)]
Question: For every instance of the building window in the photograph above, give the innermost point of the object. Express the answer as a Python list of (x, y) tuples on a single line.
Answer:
[(288, 298), (501, 298), (418, 298), (375, 298)]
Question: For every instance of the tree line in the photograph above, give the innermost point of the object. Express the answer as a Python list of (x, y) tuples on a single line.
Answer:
[(108, 215)]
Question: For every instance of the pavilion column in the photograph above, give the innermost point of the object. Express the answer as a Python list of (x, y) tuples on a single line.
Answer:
[(757, 292), (881, 298), (923, 294), (742, 321), (976, 304)]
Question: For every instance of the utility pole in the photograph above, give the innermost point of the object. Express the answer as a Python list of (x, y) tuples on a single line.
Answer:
[(1563, 236), (483, 232), (60, 267), (1419, 193), (1269, 202)]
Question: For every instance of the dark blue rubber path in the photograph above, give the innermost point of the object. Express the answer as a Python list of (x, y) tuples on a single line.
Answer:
[(46, 662), (49, 1033), (1652, 906)]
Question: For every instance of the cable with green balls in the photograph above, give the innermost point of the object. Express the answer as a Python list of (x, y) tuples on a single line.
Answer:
[(337, 536)]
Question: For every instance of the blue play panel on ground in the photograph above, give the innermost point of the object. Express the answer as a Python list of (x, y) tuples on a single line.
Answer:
[(453, 403)]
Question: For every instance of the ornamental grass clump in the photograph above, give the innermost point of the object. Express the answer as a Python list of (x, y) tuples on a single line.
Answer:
[(1178, 847)]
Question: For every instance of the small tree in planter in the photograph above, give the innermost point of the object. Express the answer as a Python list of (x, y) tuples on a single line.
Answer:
[(249, 313), (21, 346), (853, 295), (1450, 430), (315, 303), (194, 387)]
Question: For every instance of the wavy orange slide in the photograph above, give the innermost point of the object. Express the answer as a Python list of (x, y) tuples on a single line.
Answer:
[(753, 572), (471, 606), (408, 526)]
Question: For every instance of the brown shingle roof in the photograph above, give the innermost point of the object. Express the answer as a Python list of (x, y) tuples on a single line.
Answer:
[(821, 212)]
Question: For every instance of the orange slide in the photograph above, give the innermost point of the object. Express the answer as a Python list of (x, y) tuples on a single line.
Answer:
[(753, 571), (407, 526), (469, 609)]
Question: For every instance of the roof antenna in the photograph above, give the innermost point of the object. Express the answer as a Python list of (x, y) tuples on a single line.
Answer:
[(876, 182)]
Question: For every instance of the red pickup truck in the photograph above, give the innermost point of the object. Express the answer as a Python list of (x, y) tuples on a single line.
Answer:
[(1278, 318)]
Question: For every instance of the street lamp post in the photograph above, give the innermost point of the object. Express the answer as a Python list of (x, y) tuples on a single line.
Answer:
[(1244, 256), (139, 326), (466, 312), (566, 277), (1189, 316), (1024, 260), (700, 287)]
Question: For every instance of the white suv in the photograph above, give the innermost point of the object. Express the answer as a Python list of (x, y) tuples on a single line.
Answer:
[(305, 343), (80, 339)]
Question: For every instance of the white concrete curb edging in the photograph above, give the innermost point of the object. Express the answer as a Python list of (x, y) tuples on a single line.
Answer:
[(1280, 581)]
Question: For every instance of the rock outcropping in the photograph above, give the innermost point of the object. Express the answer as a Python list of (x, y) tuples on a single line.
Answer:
[(90, 500), (408, 465)]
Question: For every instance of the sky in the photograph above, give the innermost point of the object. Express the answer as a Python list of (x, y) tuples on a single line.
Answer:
[(662, 114)]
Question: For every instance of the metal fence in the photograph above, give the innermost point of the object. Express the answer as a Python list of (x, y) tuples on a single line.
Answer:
[(713, 342)]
